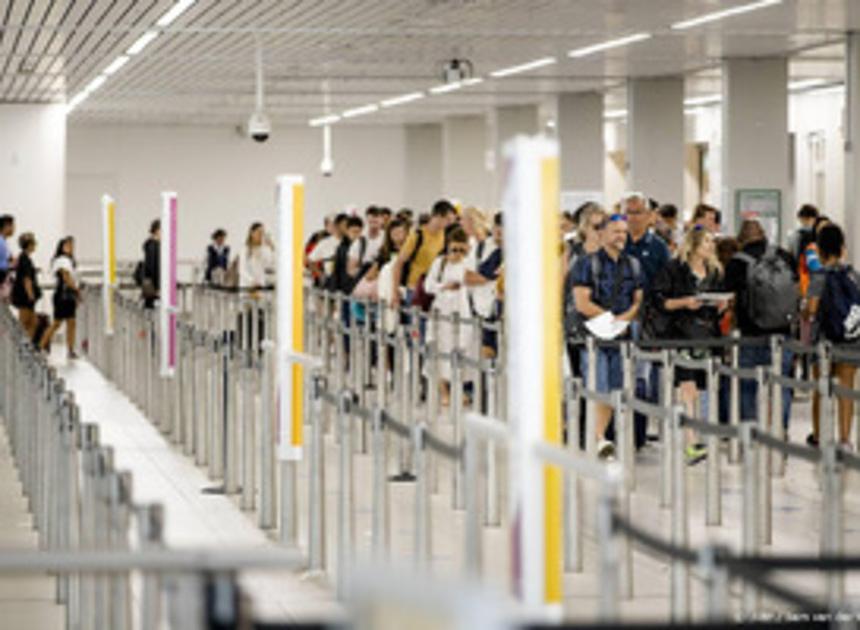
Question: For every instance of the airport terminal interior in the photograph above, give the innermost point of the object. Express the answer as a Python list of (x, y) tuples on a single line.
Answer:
[(443, 314)]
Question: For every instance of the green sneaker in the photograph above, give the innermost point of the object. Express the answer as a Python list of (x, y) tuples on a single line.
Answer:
[(695, 453)]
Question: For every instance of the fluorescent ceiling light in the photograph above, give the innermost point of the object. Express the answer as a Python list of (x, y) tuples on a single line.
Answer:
[(400, 100), (324, 120), (448, 87), (174, 12), (79, 98), (360, 111), (615, 114), (525, 67), (117, 63), (142, 42), (727, 13), (609, 45), (95, 84), (472, 81)]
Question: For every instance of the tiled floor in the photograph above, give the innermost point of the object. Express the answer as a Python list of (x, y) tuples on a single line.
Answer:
[(194, 519), (26, 602)]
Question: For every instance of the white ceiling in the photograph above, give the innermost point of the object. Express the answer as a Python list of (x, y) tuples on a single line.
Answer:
[(331, 55)]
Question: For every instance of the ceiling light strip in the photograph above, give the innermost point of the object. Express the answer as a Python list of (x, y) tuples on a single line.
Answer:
[(578, 53), (324, 120), (402, 100), (525, 67), (722, 15), (360, 111), (142, 42), (174, 12)]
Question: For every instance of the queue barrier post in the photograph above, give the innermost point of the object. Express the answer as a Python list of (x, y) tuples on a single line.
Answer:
[(266, 442), (832, 525), (623, 419), (713, 463), (668, 397), (591, 405), (345, 504), (680, 590), (777, 466), (381, 514), (750, 530), (764, 458), (735, 398), (316, 482), (573, 500), (423, 513)]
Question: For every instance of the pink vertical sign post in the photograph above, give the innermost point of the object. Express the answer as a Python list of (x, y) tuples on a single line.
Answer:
[(168, 291)]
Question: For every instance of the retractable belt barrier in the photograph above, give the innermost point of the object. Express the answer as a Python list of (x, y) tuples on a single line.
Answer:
[(376, 374), (92, 534)]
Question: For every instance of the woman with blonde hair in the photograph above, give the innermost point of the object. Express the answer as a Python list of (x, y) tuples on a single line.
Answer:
[(680, 312)]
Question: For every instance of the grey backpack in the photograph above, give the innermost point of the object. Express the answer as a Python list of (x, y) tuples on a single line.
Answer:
[(772, 299)]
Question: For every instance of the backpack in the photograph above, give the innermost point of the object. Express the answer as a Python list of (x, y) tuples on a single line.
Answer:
[(839, 309), (771, 293), (340, 281), (421, 299)]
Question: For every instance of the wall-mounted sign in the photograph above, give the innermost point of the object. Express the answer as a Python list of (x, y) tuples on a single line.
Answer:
[(763, 205)]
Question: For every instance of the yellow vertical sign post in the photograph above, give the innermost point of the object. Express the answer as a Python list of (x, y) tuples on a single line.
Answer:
[(290, 326), (108, 260), (533, 306)]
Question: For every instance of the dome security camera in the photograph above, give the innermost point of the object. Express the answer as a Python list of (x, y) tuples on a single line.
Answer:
[(259, 127)]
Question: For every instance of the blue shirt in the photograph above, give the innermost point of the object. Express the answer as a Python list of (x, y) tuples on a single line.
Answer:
[(652, 254), (627, 270), (4, 255)]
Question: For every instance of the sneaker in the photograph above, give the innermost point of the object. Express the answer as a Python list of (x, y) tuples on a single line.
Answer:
[(695, 453), (811, 440), (846, 447), (605, 449)]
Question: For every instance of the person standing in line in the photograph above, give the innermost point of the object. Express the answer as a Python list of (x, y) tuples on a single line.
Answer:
[(609, 280), (66, 295), (25, 290), (255, 259), (676, 288), (708, 217), (320, 258), (834, 283), (151, 270), (217, 258), (764, 280), (419, 251), (364, 249), (805, 232), (446, 280)]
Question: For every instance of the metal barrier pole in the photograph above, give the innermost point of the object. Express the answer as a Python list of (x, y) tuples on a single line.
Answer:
[(473, 552), (201, 412), (381, 523), (493, 506), (776, 350), (713, 475), (423, 514), (86, 590), (573, 506), (459, 494), (735, 399), (826, 428), (316, 481), (248, 431), (750, 507), (623, 420), (231, 413), (150, 526), (609, 588), (832, 522), (668, 400), (345, 523), (680, 518), (433, 392), (120, 583), (217, 409), (717, 584), (591, 404), (628, 436), (266, 443), (764, 457)]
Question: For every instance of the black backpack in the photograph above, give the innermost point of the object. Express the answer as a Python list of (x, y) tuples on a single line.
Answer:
[(137, 276), (839, 309), (340, 281)]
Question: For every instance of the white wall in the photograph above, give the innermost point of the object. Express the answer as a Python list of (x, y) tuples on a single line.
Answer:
[(222, 179), (423, 166), (32, 172), (464, 173), (819, 113)]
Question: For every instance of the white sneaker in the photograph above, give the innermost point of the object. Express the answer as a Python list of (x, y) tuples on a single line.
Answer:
[(605, 449)]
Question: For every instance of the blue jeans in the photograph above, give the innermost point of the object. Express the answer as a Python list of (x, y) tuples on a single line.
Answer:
[(755, 356), (610, 375)]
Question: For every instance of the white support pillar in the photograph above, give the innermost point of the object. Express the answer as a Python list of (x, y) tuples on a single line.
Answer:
[(464, 172), (507, 123), (655, 138), (755, 134), (423, 166), (579, 126), (852, 143)]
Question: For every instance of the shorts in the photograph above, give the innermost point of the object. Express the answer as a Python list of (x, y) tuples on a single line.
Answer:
[(610, 375)]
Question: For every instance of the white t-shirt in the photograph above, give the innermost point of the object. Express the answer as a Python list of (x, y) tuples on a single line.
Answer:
[(371, 249), (483, 296), (253, 265), (64, 263), (324, 250), (442, 273)]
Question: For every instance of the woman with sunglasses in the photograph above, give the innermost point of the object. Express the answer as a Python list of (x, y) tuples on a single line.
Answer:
[(446, 280)]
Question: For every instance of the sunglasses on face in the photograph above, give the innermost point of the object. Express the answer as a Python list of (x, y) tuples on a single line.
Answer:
[(615, 218), (458, 250), (599, 225)]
